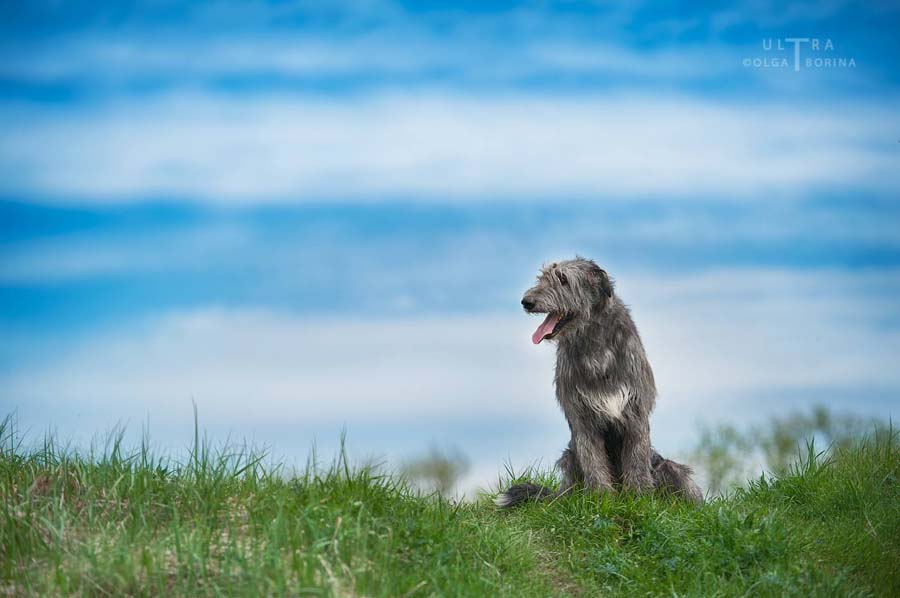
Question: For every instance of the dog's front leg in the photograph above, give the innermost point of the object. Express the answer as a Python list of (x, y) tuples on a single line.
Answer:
[(594, 460), (636, 453)]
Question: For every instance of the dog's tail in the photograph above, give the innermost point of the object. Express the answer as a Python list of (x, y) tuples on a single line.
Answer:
[(675, 478), (516, 495)]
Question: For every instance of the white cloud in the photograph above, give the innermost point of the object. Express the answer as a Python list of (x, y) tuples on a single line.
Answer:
[(386, 53), (311, 368), (291, 148), (745, 331)]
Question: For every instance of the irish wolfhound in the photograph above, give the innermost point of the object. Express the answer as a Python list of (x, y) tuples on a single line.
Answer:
[(604, 385)]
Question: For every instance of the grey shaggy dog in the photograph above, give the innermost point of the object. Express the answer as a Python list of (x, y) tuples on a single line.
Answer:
[(604, 385)]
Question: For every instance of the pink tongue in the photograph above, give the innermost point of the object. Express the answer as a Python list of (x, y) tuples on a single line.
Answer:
[(545, 329)]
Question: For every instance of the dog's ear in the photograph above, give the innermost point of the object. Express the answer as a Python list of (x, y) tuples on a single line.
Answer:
[(601, 279)]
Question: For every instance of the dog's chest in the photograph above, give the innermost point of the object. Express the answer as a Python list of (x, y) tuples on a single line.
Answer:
[(590, 391), (608, 405), (583, 381)]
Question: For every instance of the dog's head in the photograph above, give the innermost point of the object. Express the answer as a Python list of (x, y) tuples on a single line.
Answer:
[(568, 292)]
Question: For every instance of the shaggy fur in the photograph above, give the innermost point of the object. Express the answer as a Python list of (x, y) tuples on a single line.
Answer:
[(604, 385)]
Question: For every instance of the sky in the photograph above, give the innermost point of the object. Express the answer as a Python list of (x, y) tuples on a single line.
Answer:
[(309, 217)]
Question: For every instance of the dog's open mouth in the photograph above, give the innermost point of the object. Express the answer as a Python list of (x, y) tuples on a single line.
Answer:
[(550, 327)]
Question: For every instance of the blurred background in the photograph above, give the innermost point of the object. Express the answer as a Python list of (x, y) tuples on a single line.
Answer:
[(309, 217)]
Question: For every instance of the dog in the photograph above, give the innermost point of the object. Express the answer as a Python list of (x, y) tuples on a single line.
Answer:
[(604, 385)]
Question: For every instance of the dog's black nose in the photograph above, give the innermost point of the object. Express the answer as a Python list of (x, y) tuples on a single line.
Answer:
[(528, 304)]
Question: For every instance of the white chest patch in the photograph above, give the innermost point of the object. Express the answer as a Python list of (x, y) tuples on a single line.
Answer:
[(609, 405)]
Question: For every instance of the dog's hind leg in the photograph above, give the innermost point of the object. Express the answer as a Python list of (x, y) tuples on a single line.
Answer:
[(673, 477), (569, 468)]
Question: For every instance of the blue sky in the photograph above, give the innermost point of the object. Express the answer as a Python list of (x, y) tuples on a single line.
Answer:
[(236, 204)]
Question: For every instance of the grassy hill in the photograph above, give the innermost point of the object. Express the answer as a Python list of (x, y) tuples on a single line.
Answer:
[(221, 523)]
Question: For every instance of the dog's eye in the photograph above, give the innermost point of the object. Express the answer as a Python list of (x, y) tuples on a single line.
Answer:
[(562, 278)]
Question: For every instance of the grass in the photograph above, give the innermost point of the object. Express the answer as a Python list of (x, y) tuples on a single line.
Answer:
[(224, 523)]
